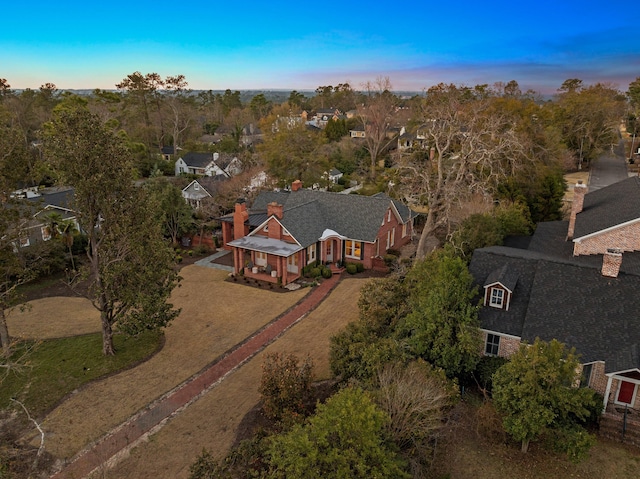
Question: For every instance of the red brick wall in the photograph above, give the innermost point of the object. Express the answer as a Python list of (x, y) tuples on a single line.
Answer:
[(598, 381), (398, 239), (508, 346), (626, 238)]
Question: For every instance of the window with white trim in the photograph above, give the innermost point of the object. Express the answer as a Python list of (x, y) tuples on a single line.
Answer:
[(585, 376), (389, 215), (404, 230), (292, 263), (352, 249), (311, 254), (393, 236), (261, 258), (496, 299), (46, 233), (492, 346), (24, 241)]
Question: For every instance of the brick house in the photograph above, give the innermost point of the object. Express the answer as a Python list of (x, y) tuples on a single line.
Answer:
[(284, 231), (578, 281)]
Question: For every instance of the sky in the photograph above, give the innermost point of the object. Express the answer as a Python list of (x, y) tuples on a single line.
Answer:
[(267, 45)]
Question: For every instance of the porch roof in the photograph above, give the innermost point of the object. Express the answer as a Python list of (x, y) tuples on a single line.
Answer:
[(266, 245)]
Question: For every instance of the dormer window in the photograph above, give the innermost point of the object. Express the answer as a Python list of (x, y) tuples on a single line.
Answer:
[(497, 298), (499, 287)]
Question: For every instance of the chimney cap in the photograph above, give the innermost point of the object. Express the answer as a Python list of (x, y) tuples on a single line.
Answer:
[(616, 251)]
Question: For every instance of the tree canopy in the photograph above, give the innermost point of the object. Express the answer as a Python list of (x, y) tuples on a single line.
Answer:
[(535, 390), (130, 266), (344, 439)]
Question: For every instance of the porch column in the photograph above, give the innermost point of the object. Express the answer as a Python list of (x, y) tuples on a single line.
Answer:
[(607, 392), (279, 266), (284, 270)]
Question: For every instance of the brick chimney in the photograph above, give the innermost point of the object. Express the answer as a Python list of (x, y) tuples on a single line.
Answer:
[(240, 215), (579, 190), (296, 185), (611, 262), (274, 209)]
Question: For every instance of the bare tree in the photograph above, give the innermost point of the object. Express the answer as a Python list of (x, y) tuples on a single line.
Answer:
[(376, 115), (470, 145)]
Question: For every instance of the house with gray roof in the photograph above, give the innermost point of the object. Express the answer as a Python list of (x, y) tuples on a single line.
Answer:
[(577, 281), (284, 231), (202, 190), (208, 164)]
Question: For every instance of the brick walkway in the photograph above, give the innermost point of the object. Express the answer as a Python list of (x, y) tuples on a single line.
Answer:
[(106, 451)]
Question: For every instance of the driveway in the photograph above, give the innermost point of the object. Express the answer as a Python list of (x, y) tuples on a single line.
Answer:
[(609, 168)]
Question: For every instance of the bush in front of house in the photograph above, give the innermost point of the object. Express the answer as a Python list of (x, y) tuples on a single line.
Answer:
[(352, 268), (326, 273)]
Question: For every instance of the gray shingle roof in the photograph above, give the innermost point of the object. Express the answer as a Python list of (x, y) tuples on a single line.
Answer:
[(609, 206), (569, 300), (198, 160), (307, 213)]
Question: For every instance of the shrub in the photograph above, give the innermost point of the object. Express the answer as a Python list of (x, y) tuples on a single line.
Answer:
[(389, 259), (352, 268), (285, 385), (202, 249), (315, 272), (326, 273), (359, 267)]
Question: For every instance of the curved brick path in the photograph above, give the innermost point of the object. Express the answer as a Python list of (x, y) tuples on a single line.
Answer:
[(119, 441)]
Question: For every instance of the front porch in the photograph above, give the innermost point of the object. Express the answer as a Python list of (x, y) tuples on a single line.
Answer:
[(262, 273)]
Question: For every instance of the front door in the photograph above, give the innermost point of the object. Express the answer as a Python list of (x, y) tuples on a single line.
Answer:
[(329, 251), (292, 263), (625, 393)]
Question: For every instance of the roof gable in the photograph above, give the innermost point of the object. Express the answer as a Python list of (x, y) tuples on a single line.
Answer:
[(608, 207)]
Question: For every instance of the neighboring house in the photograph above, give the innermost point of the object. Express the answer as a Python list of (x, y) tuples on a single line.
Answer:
[(250, 135), (208, 164), (323, 116), (357, 132), (334, 175), (285, 231), (199, 191), (47, 201), (578, 282), (168, 152)]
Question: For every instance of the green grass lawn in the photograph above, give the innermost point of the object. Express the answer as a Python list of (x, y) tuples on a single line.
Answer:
[(56, 367)]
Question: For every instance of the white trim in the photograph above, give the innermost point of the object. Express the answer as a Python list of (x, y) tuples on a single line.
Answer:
[(606, 230), (497, 282), (284, 230)]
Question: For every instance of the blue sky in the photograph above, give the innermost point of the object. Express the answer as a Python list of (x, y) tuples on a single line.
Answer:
[(302, 45)]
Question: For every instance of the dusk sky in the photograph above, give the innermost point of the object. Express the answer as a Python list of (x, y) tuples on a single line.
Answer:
[(302, 45)]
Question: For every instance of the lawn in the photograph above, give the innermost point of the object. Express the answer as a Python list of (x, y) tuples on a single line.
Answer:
[(212, 421), (215, 316), (56, 367)]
